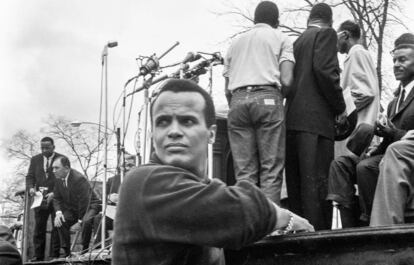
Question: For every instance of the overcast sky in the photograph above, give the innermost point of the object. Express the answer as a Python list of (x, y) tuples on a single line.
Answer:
[(50, 51)]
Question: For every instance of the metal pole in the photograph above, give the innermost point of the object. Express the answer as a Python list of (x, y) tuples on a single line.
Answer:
[(26, 219), (210, 153), (103, 227), (146, 106)]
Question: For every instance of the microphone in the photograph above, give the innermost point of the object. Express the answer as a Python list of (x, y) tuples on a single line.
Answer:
[(112, 44), (150, 65), (217, 56), (191, 57)]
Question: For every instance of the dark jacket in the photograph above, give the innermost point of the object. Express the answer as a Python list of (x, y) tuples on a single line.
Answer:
[(316, 96), (36, 176), (403, 119), (167, 215), (76, 197)]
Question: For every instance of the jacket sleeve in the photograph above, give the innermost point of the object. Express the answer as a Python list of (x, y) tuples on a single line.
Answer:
[(386, 141), (57, 197), (176, 206), (326, 69), (84, 193), (361, 83), (30, 177)]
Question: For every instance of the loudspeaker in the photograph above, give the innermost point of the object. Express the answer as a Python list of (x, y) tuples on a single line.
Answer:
[(222, 158)]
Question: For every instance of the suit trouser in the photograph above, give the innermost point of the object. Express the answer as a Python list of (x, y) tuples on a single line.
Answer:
[(367, 175), (39, 236), (342, 180), (393, 200), (87, 226), (308, 157), (257, 138)]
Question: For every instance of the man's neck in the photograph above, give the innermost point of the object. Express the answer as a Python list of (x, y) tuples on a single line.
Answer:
[(51, 156), (318, 23), (350, 45), (404, 83)]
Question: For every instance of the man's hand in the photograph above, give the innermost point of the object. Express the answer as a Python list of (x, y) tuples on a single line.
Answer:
[(59, 219), (385, 129), (290, 222), (32, 191), (76, 227), (113, 197), (49, 198), (301, 224), (340, 120)]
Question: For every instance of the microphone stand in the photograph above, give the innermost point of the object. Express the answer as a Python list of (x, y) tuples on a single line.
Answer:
[(104, 191), (210, 151)]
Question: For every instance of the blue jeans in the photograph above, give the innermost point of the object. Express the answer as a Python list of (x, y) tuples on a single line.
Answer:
[(256, 127)]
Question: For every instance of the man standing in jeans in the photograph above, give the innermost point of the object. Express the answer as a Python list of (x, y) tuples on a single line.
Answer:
[(257, 66)]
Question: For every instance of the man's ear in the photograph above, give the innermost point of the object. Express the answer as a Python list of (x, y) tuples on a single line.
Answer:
[(212, 134)]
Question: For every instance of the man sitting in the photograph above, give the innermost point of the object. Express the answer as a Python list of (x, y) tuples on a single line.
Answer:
[(169, 212), (393, 200)]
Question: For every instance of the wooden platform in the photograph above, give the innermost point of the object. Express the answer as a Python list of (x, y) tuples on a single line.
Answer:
[(357, 246)]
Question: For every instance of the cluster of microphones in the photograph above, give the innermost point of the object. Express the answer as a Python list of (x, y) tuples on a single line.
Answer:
[(152, 65)]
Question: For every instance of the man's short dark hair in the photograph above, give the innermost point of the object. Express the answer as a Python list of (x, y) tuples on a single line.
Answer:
[(183, 85), (64, 161), (352, 27), (268, 13), (321, 11), (406, 40), (47, 139)]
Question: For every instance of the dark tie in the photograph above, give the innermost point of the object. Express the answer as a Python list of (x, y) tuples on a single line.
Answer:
[(47, 167), (401, 100)]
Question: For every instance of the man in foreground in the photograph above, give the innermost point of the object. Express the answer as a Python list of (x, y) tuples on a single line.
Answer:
[(40, 178), (75, 203), (169, 212)]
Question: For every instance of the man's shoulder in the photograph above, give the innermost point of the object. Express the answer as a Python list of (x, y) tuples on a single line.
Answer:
[(157, 172), (77, 175), (37, 157), (358, 50), (58, 155)]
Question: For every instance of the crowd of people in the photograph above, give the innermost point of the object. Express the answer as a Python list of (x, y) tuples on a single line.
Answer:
[(288, 102), (323, 136)]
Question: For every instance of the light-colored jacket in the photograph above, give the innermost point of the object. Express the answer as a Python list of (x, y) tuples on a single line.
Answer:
[(360, 76)]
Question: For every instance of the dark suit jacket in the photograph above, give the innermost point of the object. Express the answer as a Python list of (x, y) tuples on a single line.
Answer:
[(36, 176), (402, 119), (76, 196), (316, 96)]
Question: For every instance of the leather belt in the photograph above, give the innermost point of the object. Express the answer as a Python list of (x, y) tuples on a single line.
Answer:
[(252, 87)]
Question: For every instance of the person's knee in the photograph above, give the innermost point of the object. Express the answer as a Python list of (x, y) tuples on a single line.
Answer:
[(363, 166), (395, 148)]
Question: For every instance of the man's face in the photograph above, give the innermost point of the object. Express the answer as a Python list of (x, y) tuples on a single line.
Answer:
[(129, 165), (404, 64), (180, 134), (342, 42), (59, 170), (47, 148)]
